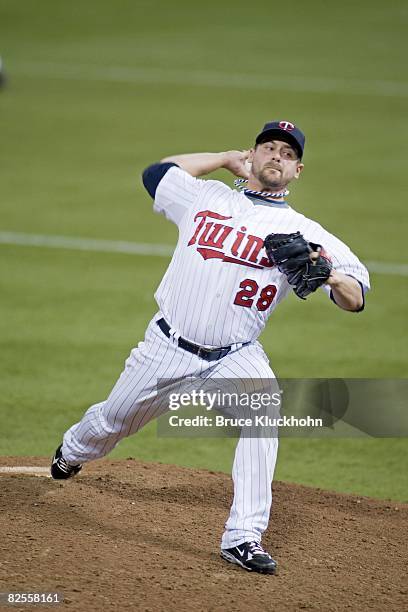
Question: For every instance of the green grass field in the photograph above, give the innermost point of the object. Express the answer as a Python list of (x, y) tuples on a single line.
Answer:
[(95, 93)]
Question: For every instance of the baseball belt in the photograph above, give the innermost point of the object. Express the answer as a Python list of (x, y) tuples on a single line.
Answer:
[(196, 349)]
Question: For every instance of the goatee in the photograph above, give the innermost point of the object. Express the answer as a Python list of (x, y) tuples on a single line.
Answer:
[(268, 183)]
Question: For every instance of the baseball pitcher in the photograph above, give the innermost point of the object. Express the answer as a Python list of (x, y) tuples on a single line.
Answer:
[(239, 254)]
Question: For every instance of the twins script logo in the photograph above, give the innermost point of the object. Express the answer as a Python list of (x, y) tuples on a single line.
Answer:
[(210, 236)]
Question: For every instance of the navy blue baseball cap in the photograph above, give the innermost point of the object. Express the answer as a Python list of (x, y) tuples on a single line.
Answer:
[(283, 130)]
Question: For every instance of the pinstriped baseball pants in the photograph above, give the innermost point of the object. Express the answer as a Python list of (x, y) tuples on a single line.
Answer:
[(135, 400)]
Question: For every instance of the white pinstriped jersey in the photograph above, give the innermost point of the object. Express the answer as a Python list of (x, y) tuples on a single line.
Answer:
[(220, 288)]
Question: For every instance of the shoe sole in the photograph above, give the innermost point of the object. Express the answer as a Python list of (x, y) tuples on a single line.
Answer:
[(57, 477), (228, 557)]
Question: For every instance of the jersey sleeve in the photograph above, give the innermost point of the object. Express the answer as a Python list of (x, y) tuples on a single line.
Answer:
[(342, 258), (176, 193)]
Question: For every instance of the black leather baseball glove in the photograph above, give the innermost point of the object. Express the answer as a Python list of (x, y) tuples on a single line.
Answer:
[(291, 253)]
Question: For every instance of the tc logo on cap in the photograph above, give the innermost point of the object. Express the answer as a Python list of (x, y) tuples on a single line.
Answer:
[(286, 125)]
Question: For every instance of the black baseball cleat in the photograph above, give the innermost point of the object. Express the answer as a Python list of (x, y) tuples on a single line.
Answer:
[(251, 556), (60, 468)]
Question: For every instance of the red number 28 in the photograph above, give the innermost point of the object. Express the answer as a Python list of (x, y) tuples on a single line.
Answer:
[(249, 289)]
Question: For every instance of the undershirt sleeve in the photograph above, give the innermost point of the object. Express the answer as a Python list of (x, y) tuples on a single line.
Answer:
[(174, 190), (153, 175)]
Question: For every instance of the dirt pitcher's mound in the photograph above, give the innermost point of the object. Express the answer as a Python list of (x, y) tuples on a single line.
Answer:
[(125, 535)]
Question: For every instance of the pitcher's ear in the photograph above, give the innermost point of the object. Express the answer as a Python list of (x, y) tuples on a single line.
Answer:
[(299, 170)]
